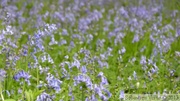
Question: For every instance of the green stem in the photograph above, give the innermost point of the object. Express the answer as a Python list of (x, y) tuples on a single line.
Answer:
[(82, 94), (37, 72), (2, 97)]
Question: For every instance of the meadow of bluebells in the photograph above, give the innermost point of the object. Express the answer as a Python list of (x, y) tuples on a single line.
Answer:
[(88, 50)]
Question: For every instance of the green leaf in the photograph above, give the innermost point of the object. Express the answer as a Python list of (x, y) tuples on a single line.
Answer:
[(37, 93), (28, 95), (9, 100)]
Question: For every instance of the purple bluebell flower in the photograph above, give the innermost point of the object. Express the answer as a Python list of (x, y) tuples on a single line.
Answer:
[(29, 65), (104, 80), (50, 60), (84, 24), (65, 73), (103, 97), (25, 52), (153, 70), (108, 93), (2, 74), (177, 32), (123, 12), (50, 28), (143, 60), (22, 74), (135, 75), (97, 89), (93, 98), (122, 96), (20, 91), (83, 78), (64, 32), (62, 42), (43, 58), (87, 99), (70, 91), (4, 3), (53, 41), (172, 72), (83, 69), (100, 74), (89, 83), (72, 98), (40, 46), (122, 51), (53, 82), (44, 97), (103, 64), (136, 38), (96, 15), (43, 69), (76, 63)]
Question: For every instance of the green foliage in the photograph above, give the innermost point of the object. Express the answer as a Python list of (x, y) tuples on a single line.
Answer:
[(12, 100)]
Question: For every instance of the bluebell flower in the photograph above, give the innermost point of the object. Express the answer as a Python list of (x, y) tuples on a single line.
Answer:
[(153, 70), (97, 90), (104, 80), (50, 60), (108, 93), (20, 91), (51, 27), (29, 65), (64, 72), (134, 75), (25, 52), (53, 41), (70, 91), (177, 32), (44, 97), (40, 46), (43, 58), (72, 98), (22, 74), (172, 72), (102, 64), (43, 69), (37, 36), (63, 42), (143, 60), (76, 63), (89, 83), (54, 82), (123, 50), (93, 98), (124, 12), (87, 99), (100, 74), (103, 97), (122, 96), (83, 78), (83, 69), (64, 32), (136, 38), (2, 74)]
